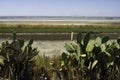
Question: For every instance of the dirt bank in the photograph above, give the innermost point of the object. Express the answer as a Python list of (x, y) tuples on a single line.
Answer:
[(54, 36)]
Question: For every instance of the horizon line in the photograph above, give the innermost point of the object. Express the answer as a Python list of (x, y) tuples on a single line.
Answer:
[(53, 16)]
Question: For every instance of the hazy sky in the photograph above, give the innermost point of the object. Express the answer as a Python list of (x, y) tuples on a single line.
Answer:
[(60, 8)]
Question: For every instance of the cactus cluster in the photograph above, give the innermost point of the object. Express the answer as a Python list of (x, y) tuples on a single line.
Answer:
[(96, 59), (85, 59), (16, 59)]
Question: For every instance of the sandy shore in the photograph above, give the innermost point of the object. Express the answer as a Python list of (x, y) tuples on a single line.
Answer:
[(48, 48), (58, 22)]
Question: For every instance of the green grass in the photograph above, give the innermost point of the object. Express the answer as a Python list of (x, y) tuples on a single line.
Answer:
[(58, 28)]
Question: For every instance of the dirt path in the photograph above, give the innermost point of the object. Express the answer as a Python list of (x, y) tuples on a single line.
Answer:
[(50, 43), (54, 36)]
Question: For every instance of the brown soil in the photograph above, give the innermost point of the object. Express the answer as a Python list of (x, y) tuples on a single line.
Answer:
[(55, 36)]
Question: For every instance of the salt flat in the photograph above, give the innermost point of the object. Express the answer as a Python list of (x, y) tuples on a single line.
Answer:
[(59, 20)]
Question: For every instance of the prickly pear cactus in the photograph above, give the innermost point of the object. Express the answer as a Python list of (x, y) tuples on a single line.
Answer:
[(105, 39), (79, 37), (1, 60), (97, 57)]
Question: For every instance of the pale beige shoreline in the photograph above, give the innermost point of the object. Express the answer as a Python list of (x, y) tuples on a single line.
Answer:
[(57, 22)]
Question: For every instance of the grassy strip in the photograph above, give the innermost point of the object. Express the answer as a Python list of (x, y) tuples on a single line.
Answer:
[(5, 28), (58, 26)]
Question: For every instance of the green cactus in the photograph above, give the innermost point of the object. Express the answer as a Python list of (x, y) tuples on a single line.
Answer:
[(98, 41), (30, 42), (1, 60), (90, 46), (14, 36), (86, 39), (17, 58), (118, 41), (69, 47), (105, 39), (96, 56), (94, 64), (21, 42), (64, 59), (79, 37)]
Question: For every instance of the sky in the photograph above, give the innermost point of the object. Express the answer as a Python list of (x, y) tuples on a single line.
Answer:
[(60, 8)]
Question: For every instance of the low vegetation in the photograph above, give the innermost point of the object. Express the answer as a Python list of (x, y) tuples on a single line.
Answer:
[(86, 59), (29, 28)]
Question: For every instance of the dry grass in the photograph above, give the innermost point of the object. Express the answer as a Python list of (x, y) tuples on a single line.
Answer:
[(59, 26)]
